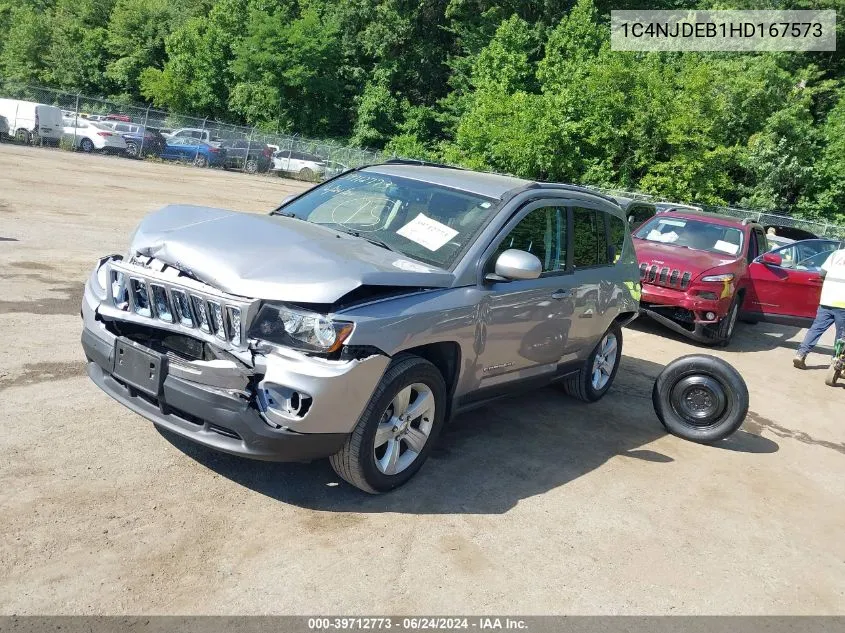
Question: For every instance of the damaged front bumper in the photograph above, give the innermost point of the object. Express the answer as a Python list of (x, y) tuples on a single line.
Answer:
[(273, 404), (685, 312)]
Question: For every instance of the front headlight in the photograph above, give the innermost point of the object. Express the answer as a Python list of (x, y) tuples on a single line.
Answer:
[(724, 277), (306, 331)]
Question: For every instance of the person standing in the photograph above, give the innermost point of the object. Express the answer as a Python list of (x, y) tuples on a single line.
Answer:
[(831, 306)]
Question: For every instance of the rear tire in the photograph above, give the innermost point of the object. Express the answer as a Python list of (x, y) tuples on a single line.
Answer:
[(596, 375), (251, 166), (23, 136), (700, 398), (306, 174), (361, 461), (200, 161), (86, 145)]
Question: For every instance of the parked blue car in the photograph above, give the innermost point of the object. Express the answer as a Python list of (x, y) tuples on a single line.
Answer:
[(193, 150)]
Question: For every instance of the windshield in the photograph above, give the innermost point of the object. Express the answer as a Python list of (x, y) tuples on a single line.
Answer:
[(695, 234), (427, 222)]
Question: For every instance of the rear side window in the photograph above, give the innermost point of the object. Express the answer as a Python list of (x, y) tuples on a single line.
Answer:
[(589, 240), (616, 236)]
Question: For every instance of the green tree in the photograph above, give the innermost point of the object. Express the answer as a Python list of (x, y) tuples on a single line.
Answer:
[(26, 38), (136, 34), (296, 58)]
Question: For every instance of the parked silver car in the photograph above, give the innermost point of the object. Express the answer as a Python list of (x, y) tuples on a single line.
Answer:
[(355, 319)]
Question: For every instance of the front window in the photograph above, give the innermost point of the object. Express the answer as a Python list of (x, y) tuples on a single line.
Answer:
[(696, 234), (426, 222), (808, 255)]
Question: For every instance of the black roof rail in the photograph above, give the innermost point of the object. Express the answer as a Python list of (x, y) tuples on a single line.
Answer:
[(421, 163), (578, 189)]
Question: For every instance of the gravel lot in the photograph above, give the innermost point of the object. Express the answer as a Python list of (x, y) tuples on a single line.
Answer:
[(536, 505)]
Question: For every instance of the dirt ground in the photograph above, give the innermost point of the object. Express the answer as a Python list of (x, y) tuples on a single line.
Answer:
[(537, 505)]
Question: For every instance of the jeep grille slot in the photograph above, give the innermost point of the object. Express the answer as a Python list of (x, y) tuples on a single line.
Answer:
[(207, 313), (658, 274)]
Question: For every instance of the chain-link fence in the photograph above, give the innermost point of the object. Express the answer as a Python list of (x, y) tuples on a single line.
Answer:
[(766, 218), (91, 124), (150, 133)]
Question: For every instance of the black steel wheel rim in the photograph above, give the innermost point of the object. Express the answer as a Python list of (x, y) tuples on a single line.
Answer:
[(700, 400)]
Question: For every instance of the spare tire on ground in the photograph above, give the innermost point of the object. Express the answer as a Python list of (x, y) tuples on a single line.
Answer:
[(700, 398)]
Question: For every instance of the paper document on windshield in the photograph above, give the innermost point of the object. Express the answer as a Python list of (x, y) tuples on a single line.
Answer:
[(656, 236), (726, 247), (427, 232)]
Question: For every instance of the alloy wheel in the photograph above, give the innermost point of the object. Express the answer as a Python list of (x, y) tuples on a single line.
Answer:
[(604, 362), (404, 429)]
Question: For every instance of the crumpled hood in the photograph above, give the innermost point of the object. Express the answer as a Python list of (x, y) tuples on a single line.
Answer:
[(274, 257), (676, 257)]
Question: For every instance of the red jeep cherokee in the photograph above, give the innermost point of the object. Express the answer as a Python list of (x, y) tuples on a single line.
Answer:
[(701, 271)]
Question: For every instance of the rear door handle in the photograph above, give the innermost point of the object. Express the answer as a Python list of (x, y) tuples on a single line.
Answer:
[(561, 294)]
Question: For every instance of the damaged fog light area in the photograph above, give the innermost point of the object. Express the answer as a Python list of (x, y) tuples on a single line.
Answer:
[(281, 405)]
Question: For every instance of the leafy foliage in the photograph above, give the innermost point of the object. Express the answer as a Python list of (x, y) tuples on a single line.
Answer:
[(529, 88)]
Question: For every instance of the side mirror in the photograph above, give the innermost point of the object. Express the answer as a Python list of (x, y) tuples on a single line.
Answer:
[(515, 264), (630, 219), (772, 259), (287, 199)]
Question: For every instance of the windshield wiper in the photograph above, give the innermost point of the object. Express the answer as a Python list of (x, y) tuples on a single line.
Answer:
[(369, 238), (285, 214)]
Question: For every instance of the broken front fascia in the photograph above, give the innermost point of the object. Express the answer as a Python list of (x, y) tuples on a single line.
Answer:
[(293, 390)]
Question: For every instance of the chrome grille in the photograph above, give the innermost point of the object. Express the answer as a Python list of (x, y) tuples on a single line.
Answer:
[(177, 303), (664, 276)]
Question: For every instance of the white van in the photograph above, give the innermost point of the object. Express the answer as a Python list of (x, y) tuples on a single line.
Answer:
[(29, 120)]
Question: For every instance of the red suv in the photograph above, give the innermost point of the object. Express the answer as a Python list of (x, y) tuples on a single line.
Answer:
[(700, 272)]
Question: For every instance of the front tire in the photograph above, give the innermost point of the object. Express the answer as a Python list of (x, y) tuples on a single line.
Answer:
[(132, 150), (727, 326), (700, 398), (397, 429), (596, 375)]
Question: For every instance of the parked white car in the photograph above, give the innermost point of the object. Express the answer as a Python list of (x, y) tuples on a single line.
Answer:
[(30, 121), (305, 166), (89, 136)]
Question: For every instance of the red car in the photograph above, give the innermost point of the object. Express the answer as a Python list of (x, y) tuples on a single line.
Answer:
[(700, 272)]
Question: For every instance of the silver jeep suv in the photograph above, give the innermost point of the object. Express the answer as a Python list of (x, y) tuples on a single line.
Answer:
[(355, 319)]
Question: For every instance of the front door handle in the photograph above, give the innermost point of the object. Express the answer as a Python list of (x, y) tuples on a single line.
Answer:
[(561, 294)]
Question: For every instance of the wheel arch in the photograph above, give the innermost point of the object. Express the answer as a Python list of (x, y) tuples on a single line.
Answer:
[(624, 318), (446, 357)]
